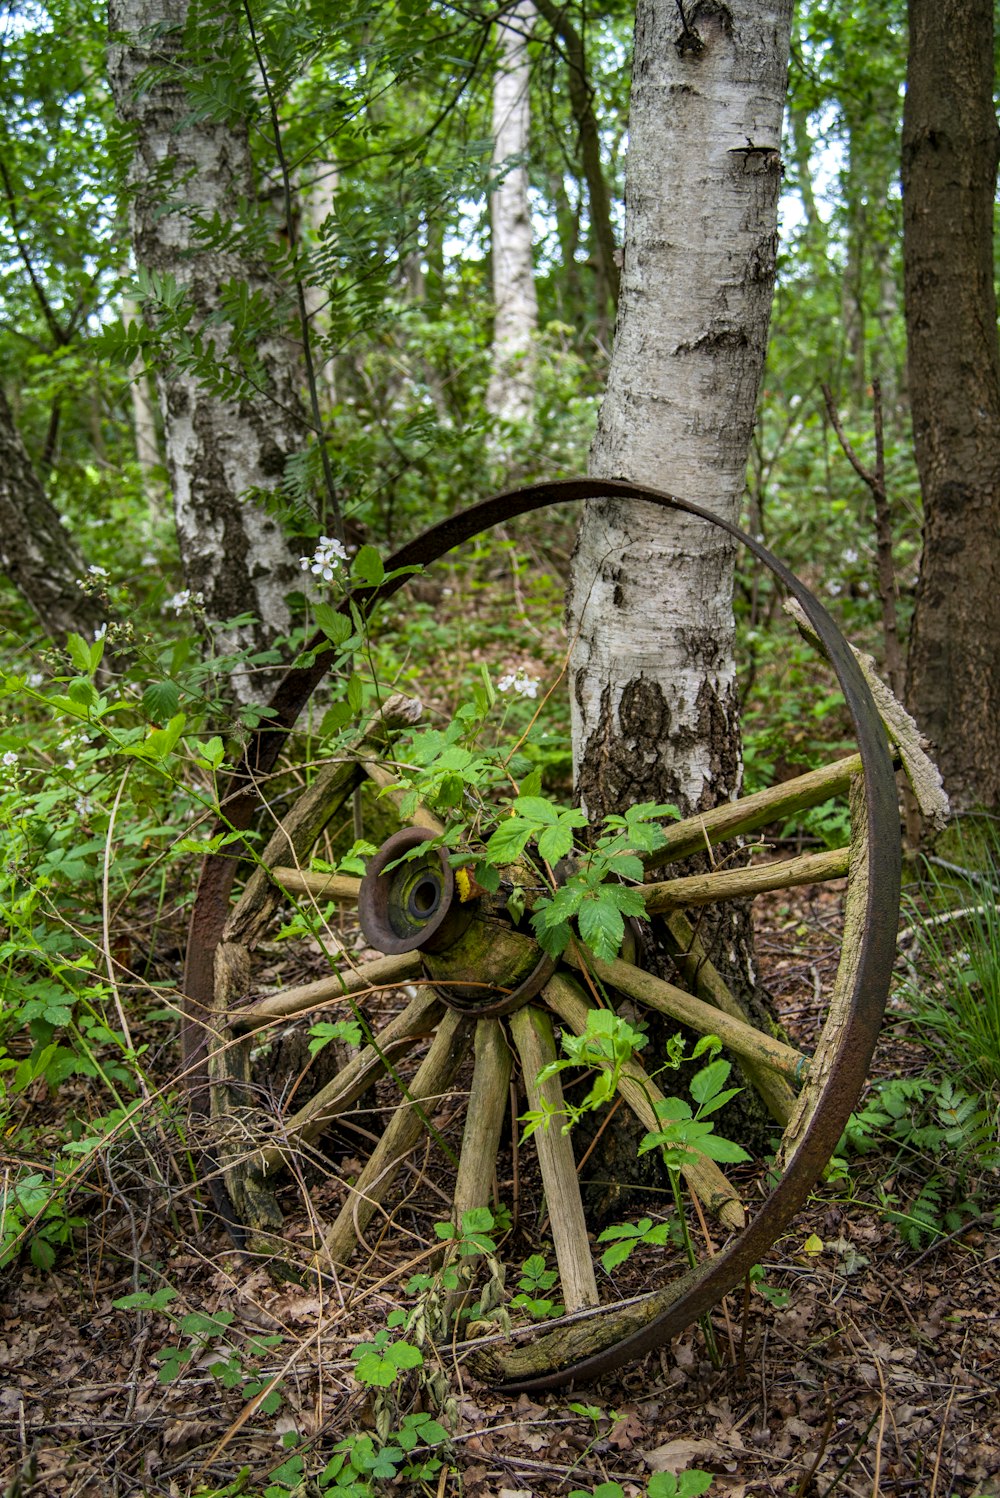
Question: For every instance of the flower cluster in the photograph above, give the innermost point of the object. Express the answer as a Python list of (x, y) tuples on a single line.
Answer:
[(519, 681), (9, 760), (184, 599), (326, 559)]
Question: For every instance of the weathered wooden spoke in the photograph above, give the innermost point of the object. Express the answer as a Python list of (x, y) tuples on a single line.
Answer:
[(487, 1008)]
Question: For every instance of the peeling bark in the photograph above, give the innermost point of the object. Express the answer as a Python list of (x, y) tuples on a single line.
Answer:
[(186, 168)]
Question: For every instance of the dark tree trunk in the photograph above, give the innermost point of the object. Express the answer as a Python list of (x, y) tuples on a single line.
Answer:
[(35, 551), (951, 146)]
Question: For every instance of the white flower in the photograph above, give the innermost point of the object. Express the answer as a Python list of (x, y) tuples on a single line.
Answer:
[(10, 759), (35, 679), (519, 681), (327, 558), (101, 633), (98, 571), (834, 588), (850, 556), (182, 600)]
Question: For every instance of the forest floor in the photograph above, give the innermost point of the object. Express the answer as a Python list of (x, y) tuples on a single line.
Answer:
[(874, 1374)]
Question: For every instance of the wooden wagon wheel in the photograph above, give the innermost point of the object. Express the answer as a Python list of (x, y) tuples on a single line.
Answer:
[(487, 989)]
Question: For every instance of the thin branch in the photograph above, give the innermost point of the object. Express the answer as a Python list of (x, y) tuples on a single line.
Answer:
[(886, 572), (52, 322)]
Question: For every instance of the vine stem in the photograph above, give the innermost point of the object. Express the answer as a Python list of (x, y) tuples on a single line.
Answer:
[(330, 513)]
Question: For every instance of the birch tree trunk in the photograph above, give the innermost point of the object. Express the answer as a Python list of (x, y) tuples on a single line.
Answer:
[(189, 166), (147, 445), (655, 709), (36, 553), (652, 672), (951, 146), (319, 200), (511, 390)]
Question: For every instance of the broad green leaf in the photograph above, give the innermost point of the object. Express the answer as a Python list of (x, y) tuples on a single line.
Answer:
[(601, 925), (146, 1300), (555, 842), (79, 653), (160, 701), (368, 568), (707, 1082), (537, 809), (336, 626), (509, 840), (723, 1150), (405, 1355)]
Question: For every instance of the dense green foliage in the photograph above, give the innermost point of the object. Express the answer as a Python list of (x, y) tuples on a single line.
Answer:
[(112, 750)]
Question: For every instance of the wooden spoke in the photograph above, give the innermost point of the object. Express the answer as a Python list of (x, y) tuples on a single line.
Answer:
[(532, 1032), (341, 887), (381, 972), (487, 1112), (735, 818), (432, 1080), (292, 838), (736, 1035), (736, 884), (417, 1020)]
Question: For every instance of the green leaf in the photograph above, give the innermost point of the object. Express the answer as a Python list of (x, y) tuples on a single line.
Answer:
[(555, 842), (531, 785), (688, 1484), (79, 653), (335, 717), (723, 1150), (355, 693), (509, 840), (160, 742), (710, 1080), (213, 753), (601, 925), (146, 1300), (405, 1355), (43, 1255), (368, 568), (536, 809), (376, 1371), (160, 701), (336, 626), (616, 1254)]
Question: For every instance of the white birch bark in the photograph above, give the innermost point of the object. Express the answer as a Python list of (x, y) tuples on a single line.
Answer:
[(186, 167), (655, 710), (319, 202), (147, 444), (511, 391)]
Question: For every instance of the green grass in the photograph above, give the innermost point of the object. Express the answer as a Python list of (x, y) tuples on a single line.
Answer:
[(952, 994)]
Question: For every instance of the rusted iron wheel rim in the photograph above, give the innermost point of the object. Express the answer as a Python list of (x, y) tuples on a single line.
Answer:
[(703, 1287)]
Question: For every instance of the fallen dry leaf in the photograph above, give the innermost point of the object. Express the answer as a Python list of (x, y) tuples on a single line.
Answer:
[(674, 1456)]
